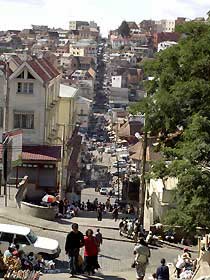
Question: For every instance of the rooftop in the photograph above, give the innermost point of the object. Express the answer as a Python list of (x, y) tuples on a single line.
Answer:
[(39, 153), (67, 91), (43, 68)]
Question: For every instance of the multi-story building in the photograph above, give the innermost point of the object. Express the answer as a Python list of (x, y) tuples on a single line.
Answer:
[(30, 89), (76, 25), (165, 25), (84, 47), (32, 100)]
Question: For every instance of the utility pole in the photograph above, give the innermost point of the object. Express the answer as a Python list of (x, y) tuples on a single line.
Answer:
[(142, 189), (118, 180)]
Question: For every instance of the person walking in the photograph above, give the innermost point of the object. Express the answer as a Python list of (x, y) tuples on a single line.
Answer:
[(90, 253), (74, 241), (99, 237), (115, 214), (142, 254), (162, 272), (99, 212)]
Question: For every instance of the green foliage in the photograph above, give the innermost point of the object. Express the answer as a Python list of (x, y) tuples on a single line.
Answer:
[(124, 29), (178, 103)]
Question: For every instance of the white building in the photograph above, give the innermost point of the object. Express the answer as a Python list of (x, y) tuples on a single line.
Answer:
[(159, 198), (84, 47), (165, 44), (165, 25), (33, 95), (83, 108), (117, 81)]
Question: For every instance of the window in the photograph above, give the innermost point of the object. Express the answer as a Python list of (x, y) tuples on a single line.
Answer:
[(24, 120), (8, 237), (25, 88), (32, 237), (30, 76), (21, 239), (1, 117), (21, 76)]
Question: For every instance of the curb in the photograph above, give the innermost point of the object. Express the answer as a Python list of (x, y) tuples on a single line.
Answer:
[(176, 246), (60, 231), (96, 226)]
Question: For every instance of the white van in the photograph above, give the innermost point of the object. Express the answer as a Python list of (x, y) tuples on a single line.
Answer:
[(28, 241)]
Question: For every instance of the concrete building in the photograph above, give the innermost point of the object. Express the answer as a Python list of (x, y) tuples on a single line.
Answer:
[(76, 25), (118, 97), (66, 123), (117, 81), (159, 198), (66, 119), (84, 47), (31, 105), (32, 101), (165, 25), (83, 109)]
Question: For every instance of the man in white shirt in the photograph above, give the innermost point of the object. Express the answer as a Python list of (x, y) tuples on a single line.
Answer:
[(142, 254)]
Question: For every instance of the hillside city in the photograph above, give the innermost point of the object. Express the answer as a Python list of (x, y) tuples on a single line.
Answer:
[(104, 151)]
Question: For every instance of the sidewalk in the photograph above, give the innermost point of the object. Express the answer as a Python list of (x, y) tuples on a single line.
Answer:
[(105, 223)]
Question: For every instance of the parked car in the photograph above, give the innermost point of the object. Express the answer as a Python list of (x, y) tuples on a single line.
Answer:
[(28, 241), (104, 191)]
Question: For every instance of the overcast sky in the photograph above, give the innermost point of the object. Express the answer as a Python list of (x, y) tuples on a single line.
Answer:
[(18, 14)]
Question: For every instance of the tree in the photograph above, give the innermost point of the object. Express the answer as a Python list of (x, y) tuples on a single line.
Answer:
[(124, 29), (177, 110), (208, 14)]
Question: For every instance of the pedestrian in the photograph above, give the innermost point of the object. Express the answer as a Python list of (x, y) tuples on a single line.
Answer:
[(142, 254), (65, 205), (162, 272), (90, 253), (99, 212), (61, 207), (74, 241), (115, 214), (99, 237), (88, 205), (108, 204)]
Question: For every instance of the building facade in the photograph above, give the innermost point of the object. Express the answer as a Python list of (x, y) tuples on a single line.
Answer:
[(32, 100)]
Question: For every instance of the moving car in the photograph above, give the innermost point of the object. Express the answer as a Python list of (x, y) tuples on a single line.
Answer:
[(104, 191), (28, 241)]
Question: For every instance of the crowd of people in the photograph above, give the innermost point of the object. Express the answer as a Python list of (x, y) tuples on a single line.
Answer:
[(132, 229), (185, 265), (16, 264), (91, 242), (69, 210)]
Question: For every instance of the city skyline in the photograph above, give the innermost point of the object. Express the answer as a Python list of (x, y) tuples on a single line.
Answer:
[(19, 14)]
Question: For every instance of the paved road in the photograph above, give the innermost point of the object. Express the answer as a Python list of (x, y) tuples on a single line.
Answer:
[(91, 194)]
